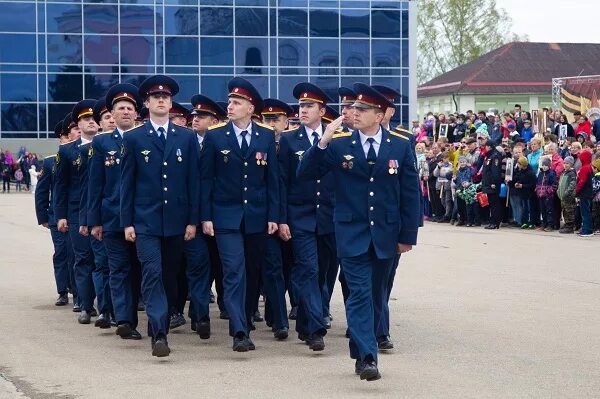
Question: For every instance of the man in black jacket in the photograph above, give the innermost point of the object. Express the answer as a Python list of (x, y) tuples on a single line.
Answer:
[(491, 179)]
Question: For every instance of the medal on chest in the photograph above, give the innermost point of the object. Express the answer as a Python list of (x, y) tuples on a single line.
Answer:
[(145, 153)]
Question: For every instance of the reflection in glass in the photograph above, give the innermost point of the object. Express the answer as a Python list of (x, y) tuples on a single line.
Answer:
[(19, 118), (251, 22), (188, 86), (100, 19), (215, 87), (64, 49), (18, 87), (63, 18), (8, 22), (385, 23), (324, 23), (140, 20), (216, 21), (385, 53), (96, 85), (137, 50), (324, 53), (355, 23), (181, 51), (292, 22), (216, 51), (17, 48), (181, 21), (251, 54), (66, 87), (101, 49), (355, 56)]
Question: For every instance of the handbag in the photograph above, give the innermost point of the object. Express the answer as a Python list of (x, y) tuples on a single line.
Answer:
[(483, 200)]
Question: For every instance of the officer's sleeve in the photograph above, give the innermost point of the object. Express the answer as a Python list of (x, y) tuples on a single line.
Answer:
[(315, 163), (410, 203), (83, 183), (96, 185), (273, 194), (284, 175), (193, 182), (127, 181), (63, 177), (207, 177), (42, 193)]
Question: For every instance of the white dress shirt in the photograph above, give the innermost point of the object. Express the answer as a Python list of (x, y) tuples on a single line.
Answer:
[(366, 145), (155, 126), (238, 134), (309, 132)]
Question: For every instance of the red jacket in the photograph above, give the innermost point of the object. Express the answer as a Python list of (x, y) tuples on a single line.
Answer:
[(557, 165), (586, 171), (584, 127)]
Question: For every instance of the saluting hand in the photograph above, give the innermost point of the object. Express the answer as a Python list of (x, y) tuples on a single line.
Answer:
[(329, 131), (190, 232), (130, 233)]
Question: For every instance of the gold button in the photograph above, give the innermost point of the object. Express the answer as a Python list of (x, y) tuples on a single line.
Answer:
[(164, 176), (371, 193), (164, 163)]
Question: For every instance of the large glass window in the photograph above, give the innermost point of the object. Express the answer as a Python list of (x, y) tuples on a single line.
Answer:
[(215, 87), (101, 49), (251, 22), (63, 18), (17, 48), (355, 23), (138, 50), (385, 53), (19, 118), (100, 19), (139, 20), (181, 21), (324, 23), (97, 85), (188, 86), (18, 87), (292, 22), (216, 21), (9, 17), (64, 49), (66, 87), (181, 50), (216, 51), (385, 23), (251, 56), (355, 56)]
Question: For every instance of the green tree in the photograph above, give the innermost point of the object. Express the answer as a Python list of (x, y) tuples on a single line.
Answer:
[(454, 32)]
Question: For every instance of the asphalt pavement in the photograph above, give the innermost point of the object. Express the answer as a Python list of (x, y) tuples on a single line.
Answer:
[(474, 314)]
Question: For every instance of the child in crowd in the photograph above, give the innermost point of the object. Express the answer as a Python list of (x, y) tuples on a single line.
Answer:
[(585, 193), (596, 198), (466, 201), (443, 185), (566, 194), (545, 189), (522, 191), (18, 179)]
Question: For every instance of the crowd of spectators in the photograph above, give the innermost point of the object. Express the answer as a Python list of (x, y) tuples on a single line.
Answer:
[(20, 170), (505, 169)]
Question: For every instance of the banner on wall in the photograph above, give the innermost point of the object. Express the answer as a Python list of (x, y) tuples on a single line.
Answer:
[(581, 94)]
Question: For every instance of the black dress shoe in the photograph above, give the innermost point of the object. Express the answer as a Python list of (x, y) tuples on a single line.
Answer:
[(293, 313), (359, 365), (327, 322), (134, 335), (177, 320), (281, 333), (369, 371), (385, 343), (123, 330), (223, 315), (302, 337), (84, 317), (63, 299), (113, 322), (251, 345), (330, 317), (203, 329), (76, 307), (212, 297), (240, 344), (269, 323), (492, 227), (103, 321), (257, 317), (347, 335), (94, 313), (160, 347), (194, 325), (316, 343)]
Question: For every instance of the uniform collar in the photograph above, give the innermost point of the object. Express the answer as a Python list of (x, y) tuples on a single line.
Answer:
[(239, 131), (319, 130), (377, 137), (156, 126)]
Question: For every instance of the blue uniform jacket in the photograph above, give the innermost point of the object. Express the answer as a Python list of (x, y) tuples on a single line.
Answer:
[(237, 187), (160, 186), (84, 174), (44, 195), (381, 208), (68, 190), (306, 204), (105, 182)]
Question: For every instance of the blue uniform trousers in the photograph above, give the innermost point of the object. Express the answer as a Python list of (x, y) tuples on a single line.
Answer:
[(274, 284), (328, 265), (287, 258), (124, 277), (241, 257), (367, 279), (101, 276), (157, 255), (83, 267), (305, 281), (198, 276), (383, 324), (216, 269), (60, 259)]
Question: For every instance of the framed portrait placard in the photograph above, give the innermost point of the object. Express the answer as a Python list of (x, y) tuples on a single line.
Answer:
[(535, 116), (562, 132), (443, 130), (510, 166)]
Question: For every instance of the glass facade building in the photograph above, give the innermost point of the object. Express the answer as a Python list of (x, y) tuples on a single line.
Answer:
[(55, 52)]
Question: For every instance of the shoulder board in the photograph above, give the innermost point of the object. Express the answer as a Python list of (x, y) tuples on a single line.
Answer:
[(288, 130), (340, 133), (402, 130), (101, 133), (68, 142), (400, 135), (132, 129), (50, 156), (265, 126), (217, 125)]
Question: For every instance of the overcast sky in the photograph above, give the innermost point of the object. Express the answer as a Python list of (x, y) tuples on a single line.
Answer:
[(561, 21)]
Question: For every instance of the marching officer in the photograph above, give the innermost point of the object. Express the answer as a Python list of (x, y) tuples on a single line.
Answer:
[(159, 201), (240, 203), (391, 95), (376, 212), (101, 118), (68, 204), (307, 219), (104, 193), (206, 113), (275, 113), (44, 197)]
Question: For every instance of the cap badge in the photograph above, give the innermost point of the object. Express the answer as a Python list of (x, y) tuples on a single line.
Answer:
[(160, 87)]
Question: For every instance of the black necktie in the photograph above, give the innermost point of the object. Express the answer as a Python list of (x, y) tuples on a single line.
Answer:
[(371, 155), (315, 136), (161, 135), (244, 143)]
